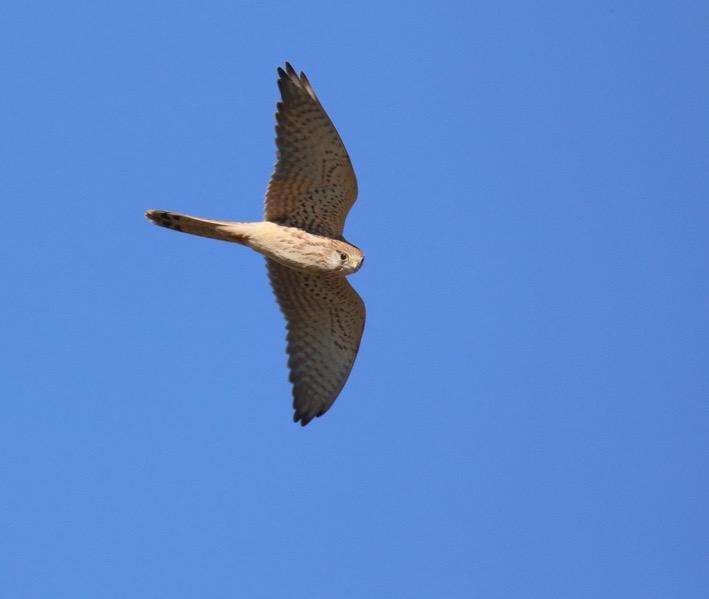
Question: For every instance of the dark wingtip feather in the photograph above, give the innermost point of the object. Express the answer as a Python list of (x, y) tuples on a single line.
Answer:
[(290, 83), (304, 419)]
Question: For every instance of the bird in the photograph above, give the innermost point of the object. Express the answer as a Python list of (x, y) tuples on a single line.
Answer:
[(308, 197)]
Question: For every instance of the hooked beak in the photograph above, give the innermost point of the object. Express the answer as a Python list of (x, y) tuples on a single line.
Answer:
[(359, 265)]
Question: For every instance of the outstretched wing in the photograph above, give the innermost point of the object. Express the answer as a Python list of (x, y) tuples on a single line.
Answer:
[(325, 320), (313, 186)]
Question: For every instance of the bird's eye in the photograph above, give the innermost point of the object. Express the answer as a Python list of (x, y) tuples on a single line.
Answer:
[(343, 256)]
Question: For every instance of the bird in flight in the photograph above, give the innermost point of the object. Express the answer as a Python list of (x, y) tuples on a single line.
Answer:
[(309, 195)]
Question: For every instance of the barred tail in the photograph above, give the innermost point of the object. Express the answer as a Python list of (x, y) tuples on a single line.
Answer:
[(216, 229)]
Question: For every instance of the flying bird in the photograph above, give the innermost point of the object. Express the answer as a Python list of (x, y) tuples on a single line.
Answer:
[(309, 195)]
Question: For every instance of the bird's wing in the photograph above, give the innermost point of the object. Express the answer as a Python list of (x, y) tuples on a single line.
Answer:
[(313, 186), (325, 320)]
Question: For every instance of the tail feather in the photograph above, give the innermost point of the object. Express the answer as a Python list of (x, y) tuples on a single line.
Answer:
[(215, 229)]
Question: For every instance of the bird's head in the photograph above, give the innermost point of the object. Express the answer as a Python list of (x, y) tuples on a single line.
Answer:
[(346, 258)]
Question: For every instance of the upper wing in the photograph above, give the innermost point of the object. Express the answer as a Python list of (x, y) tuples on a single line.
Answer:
[(313, 186), (325, 320)]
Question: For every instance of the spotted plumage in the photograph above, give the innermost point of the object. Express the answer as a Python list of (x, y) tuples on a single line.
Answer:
[(309, 196)]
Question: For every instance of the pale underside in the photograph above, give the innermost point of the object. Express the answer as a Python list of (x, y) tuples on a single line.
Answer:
[(313, 188), (308, 198)]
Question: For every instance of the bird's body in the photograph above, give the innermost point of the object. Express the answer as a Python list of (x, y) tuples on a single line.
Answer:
[(308, 198), (289, 246)]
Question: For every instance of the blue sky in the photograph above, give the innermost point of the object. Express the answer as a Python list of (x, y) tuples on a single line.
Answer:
[(528, 414)]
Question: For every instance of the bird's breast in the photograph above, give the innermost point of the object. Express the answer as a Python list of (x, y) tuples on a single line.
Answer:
[(293, 247)]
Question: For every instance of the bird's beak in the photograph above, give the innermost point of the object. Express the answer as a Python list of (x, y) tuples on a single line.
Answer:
[(359, 265)]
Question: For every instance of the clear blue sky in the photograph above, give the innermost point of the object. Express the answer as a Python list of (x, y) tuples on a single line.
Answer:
[(528, 416)]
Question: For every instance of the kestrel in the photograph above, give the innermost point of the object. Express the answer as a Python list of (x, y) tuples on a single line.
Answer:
[(309, 195)]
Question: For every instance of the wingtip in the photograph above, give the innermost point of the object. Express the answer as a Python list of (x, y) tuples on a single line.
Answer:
[(307, 416), (302, 419), (290, 73)]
